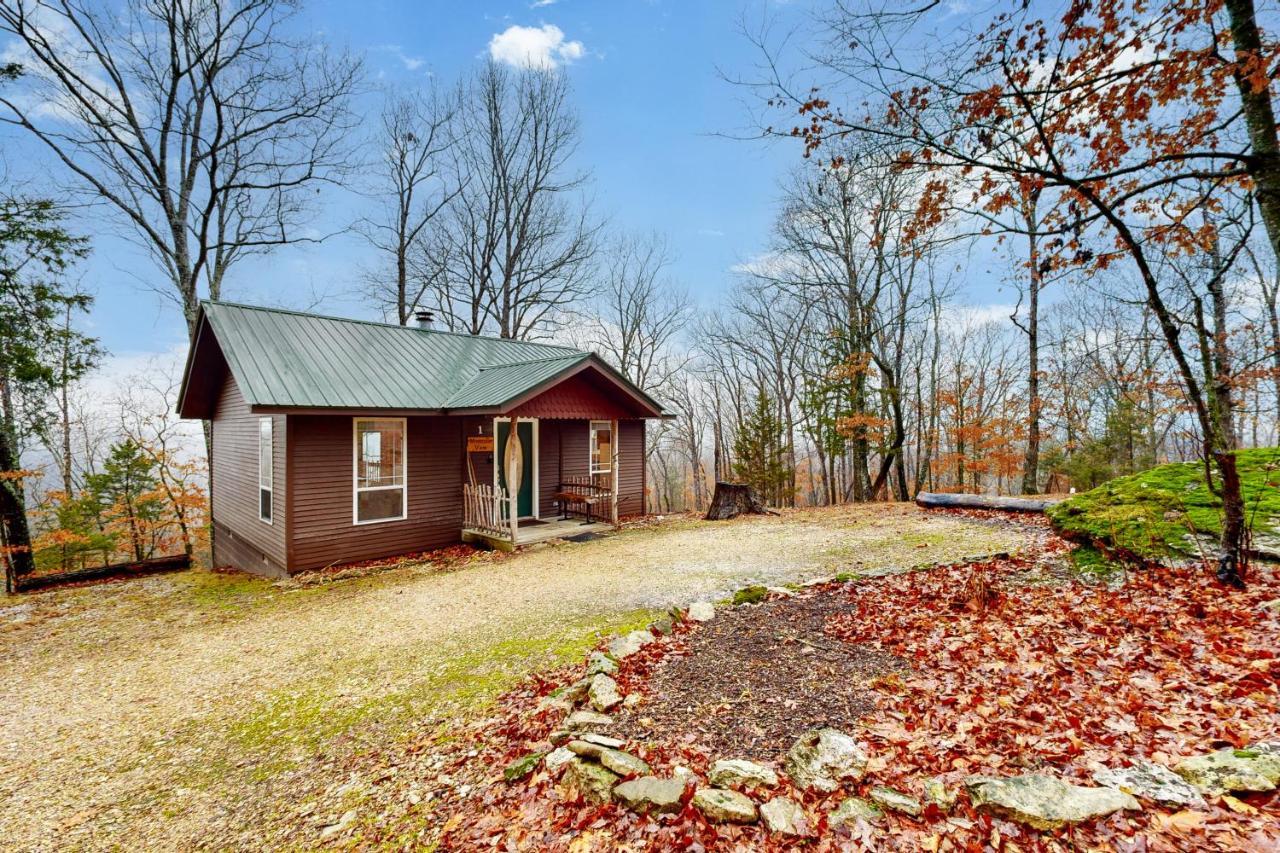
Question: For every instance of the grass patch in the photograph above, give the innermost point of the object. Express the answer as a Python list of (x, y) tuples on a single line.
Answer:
[(1157, 513)]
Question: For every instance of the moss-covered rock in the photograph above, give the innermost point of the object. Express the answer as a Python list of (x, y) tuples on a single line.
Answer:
[(1169, 511), (750, 595)]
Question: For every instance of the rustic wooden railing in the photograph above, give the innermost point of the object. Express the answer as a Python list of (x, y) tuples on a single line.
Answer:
[(595, 494), (487, 510)]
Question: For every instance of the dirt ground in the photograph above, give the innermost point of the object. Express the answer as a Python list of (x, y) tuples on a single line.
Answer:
[(212, 710)]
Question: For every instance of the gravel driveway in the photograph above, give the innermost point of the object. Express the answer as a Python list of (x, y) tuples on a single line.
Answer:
[(164, 711)]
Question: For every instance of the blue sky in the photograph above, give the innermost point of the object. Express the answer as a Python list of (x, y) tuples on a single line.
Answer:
[(653, 110)]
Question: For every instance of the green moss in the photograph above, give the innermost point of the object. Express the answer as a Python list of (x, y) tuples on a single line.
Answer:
[(1158, 513), (1092, 563), (750, 595)]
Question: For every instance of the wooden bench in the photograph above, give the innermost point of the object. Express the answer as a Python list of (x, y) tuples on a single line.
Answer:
[(571, 495)]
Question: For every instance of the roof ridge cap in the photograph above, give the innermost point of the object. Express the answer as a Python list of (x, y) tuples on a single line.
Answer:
[(574, 354), (383, 324)]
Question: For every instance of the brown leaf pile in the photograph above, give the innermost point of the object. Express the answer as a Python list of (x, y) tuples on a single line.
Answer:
[(1060, 677)]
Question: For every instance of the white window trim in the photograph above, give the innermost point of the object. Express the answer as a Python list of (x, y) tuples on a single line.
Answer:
[(592, 470), (355, 472), (271, 474), (537, 490)]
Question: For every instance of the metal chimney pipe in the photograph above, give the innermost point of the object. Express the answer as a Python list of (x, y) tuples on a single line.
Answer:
[(426, 319)]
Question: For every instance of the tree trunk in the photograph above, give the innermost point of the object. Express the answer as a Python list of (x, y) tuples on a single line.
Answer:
[(733, 499), (15, 535), (1031, 464)]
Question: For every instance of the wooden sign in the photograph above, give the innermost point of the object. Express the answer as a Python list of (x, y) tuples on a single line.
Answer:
[(479, 444)]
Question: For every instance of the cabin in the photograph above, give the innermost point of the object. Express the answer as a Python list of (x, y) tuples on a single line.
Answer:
[(336, 440)]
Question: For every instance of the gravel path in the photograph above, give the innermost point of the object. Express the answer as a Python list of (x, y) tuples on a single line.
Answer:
[(143, 714)]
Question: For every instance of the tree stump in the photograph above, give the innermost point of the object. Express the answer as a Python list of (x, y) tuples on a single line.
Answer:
[(734, 499)]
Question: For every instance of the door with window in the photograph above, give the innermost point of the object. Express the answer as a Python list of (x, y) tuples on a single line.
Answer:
[(526, 433)]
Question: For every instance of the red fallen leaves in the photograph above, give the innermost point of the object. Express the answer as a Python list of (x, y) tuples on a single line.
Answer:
[(1025, 676)]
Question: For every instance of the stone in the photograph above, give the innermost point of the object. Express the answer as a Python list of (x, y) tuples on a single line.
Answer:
[(603, 693), (1045, 802), (575, 692), (628, 644), (822, 758), (661, 626), (1230, 770), (736, 773), (780, 591), (895, 801), (724, 806), (585, 748), (580, 720), (522, 766), (853, 810), (651, 794), (941, 794), (684, 774), (1151, 781), (784, 816), (340, 826), (599, 662), (602, 740), (623, 763), (753, 594), (557, 758), (702, 611), (553, 702), (589, 780)]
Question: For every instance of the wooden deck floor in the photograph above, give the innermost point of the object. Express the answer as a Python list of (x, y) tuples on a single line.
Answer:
[(544, 530)]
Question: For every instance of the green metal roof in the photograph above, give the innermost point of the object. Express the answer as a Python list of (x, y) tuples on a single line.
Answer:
[(290, 359)]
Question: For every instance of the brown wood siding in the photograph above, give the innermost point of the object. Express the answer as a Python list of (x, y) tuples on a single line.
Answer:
[(246, 542), (323, 532), (548, 466), (630, 468)]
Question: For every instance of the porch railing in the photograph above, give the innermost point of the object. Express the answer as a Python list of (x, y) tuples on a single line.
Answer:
[(487, 510), (597, 495)]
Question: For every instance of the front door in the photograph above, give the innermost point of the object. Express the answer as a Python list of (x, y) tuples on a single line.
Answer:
[(524, 429)]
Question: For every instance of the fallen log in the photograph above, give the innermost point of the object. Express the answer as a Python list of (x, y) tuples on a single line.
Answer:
[(733, 499), (153, 566), (945, 500)]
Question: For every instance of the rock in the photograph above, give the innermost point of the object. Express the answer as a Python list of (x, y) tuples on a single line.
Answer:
[(602, 740), (753, 594), (684, 774), (623, 763), (1045, 802), (780, 591), (661, 626), (627, 645), (579, 720), (1151, 781), (784, 817), (736, 773), (895, 800), (651, 794), (821, 758), (553, 702), (522, 766), (574, 693), (585, 748), (941, 794), (853, 810), (557, 758), (632, 700), (343, 822), (603, 693), (724, 806), (598, 662), (1233, 770), (589, 780), (702, 611)]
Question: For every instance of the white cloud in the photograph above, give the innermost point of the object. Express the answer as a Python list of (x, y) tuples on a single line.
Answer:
[(538, 4), (710, 232), (534, 47)]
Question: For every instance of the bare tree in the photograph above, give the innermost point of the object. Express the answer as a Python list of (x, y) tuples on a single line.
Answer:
[(414, 184), (639, 312), (200, 122), (518, 240)]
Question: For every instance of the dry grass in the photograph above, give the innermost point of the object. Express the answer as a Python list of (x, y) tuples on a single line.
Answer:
[(215, 710)]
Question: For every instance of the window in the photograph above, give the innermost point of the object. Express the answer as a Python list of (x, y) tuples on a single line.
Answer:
[(380, 470), (601, 447), (264, 469)]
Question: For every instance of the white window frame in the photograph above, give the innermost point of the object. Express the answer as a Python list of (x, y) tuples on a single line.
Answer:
[(593, 447), (269, 470), (355, 472)]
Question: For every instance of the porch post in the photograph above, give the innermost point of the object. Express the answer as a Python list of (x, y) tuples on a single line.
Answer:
[(617, 454)]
